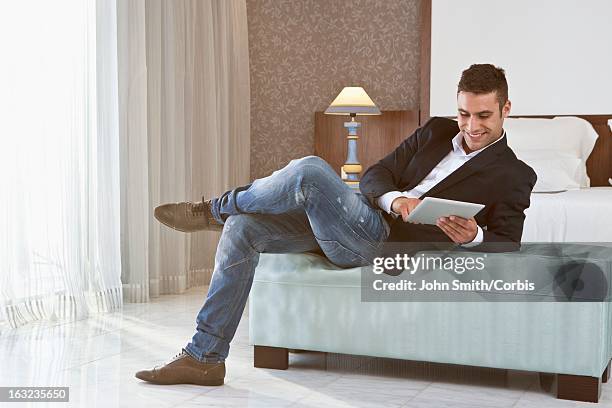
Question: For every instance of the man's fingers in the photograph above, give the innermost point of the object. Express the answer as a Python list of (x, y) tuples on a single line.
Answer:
[(453, 226), (452, 234), (404, 213), (460, 220)]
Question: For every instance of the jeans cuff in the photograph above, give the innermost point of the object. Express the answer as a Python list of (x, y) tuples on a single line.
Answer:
[(203, 359), (214, 209)]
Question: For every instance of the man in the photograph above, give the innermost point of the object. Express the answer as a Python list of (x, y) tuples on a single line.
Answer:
[(305, 206)]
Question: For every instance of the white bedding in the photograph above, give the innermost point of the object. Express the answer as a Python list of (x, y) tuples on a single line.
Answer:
[(583, 215)]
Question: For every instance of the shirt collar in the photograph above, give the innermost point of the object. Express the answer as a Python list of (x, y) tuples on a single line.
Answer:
[(458, 145)]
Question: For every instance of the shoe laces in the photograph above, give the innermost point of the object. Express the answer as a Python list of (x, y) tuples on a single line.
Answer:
[(179, 355), (198, 208), (176, 357)]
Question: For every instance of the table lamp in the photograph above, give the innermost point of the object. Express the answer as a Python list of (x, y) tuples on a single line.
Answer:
[(353, 101)]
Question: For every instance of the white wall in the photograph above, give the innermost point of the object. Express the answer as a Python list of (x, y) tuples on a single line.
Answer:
[(557, 54)]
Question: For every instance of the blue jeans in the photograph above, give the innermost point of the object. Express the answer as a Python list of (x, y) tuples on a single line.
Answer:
[(302, 207)]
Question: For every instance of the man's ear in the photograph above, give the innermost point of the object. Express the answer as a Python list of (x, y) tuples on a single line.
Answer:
[(506, 109)]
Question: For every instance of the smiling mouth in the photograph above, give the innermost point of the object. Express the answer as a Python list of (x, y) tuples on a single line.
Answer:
[(474, 135)]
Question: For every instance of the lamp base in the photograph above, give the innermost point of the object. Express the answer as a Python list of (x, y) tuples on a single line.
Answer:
[(350, 179), (352, 184), (352, 168)]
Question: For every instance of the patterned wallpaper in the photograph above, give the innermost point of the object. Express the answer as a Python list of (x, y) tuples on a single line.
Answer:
[(303, 52)]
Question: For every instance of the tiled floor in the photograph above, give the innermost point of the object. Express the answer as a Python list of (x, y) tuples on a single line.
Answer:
[(97, 359)]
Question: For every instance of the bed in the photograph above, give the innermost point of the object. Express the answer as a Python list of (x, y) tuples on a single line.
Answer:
[(582, 215), (572, 199)]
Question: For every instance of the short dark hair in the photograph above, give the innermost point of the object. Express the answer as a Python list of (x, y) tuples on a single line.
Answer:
[(484, 79)]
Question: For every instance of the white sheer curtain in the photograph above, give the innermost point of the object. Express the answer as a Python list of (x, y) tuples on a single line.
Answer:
[(59, 160), (185, 131)]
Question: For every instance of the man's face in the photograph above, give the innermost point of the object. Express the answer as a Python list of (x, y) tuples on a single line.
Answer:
[(480, 119)]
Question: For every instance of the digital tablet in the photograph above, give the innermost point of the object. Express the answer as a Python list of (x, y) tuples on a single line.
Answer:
[(430, 209)]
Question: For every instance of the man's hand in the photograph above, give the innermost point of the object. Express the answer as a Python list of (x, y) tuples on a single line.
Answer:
[(460, 230), (404, 206)]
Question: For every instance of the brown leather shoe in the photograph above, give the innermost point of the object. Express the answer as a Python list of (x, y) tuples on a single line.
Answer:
[(187, 216), (184, 369)]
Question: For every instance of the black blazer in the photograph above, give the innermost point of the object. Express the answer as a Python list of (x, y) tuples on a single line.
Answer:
[(495, 178)]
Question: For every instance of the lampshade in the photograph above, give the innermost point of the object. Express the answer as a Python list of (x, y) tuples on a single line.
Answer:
[(352, 99)]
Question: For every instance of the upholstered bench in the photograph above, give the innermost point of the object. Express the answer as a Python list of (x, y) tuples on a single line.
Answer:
[(303, 301)]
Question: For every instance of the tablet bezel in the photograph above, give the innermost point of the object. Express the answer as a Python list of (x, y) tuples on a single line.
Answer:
[(422, 213)]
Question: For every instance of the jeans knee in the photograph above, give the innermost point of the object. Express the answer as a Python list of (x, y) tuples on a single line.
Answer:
[(312, 160), (312, 168)]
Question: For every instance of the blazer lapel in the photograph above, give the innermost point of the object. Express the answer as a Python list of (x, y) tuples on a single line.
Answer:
[(430, 160), (481, 160)]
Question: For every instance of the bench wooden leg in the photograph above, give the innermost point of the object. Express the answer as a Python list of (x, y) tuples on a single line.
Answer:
[(578, 387), (606, 374), (546, 381), (271, 357)]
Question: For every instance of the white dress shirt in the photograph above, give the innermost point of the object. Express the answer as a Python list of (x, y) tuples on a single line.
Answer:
[(456, 158)]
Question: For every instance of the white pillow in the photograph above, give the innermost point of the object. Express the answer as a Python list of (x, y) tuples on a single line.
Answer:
[(561, 137), (556, 174)]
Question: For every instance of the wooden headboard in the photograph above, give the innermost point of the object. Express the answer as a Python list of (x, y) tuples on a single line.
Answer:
[(379, 135)]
